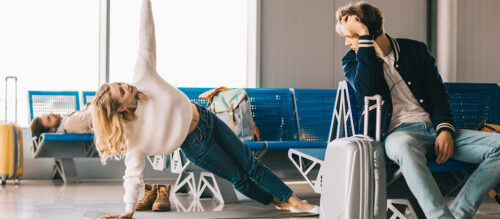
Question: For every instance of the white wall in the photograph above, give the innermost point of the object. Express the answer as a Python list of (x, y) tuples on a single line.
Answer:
[(300, 48), (477, 41), (297, 43)]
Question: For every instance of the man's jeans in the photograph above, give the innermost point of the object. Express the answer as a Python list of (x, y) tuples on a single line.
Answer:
[(408, 146), (213, 146)]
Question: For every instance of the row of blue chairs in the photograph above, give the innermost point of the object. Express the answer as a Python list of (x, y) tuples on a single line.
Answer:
[(287, 118), (275, 111)]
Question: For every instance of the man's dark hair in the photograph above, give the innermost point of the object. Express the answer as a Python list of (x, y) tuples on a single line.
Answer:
[(370, 15), (37, 127)]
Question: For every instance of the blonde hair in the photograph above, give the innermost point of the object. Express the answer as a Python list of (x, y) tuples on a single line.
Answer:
[(108, 123)]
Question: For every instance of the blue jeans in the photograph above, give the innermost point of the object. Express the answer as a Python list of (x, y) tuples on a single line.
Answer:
[(408, 146), (214, 147)]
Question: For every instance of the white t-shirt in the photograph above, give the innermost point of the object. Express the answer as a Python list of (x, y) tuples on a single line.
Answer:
[(77, 122), (60, 128), (405, 108)]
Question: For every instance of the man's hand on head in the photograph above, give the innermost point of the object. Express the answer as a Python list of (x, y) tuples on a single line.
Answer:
[(353, 24)]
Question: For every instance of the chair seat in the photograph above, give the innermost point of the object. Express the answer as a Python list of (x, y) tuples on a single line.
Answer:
[(450, 166), (318, 153), (67, 137), (285, 145), (255, 145)]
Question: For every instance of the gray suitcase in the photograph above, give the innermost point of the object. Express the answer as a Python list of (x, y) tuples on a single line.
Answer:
[(354, 179)]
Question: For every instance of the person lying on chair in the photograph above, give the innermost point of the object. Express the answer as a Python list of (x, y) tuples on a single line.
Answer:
[(416, 118), (75, 122)]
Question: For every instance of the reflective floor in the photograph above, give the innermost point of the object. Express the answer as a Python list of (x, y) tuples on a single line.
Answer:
[(53, 200)]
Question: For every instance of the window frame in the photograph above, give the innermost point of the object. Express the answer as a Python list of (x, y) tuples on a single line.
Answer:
[(253, 43)]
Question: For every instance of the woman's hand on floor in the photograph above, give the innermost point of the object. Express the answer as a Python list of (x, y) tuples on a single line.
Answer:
[(123, 215)]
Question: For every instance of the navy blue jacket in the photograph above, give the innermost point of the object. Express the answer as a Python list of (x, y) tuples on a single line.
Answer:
[(416, 65)]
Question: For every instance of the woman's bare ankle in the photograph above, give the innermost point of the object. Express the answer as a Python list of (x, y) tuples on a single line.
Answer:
[(281, 205), (298, 204), (294, 200)]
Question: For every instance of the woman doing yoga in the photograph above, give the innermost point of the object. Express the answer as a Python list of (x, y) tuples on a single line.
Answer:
[(151, 117)]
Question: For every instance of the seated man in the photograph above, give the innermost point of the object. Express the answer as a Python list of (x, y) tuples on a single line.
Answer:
[(75, 122), (416, 118)]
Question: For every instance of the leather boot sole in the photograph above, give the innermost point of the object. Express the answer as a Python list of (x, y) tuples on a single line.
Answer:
[(162, 209)]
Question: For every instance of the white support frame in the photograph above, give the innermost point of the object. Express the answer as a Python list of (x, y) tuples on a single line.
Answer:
[(299, 162), (158, 162), (208, 181), (396, 213), (186, 179), (178, 162), (195, 205), (344, 115)]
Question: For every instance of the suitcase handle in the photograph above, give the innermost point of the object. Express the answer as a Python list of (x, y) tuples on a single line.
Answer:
[(378, 99), (376, 173), (15, 80)]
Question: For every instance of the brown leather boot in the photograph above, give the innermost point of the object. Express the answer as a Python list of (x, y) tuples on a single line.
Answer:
[(162, 202), (146, 203)]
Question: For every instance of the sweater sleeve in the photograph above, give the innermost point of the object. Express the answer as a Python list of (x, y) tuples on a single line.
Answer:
[(146, 58), (362, 69), (132, 179), (441, 114)]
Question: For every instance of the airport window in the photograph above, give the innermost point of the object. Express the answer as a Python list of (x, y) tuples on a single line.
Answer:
[(48, 45), (199, 43)]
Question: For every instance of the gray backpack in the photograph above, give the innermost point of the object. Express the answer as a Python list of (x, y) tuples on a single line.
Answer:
[(233, 107)]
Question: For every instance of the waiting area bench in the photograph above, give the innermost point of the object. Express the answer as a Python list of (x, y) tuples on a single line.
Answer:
[(297, 120), (470, 103), (273, 111), (62, 147)]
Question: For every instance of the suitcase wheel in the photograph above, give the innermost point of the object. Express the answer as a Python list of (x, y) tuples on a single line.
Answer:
[(17, 181), (3, 181)]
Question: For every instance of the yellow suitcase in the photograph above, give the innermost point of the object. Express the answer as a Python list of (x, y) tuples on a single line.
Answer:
[(11, 152), (11, 145)]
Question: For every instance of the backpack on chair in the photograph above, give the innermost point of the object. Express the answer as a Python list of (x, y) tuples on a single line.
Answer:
[(486, 127), (233, 107)]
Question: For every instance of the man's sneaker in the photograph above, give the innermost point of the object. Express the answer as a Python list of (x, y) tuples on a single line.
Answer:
[(150, 193), (162, 202)]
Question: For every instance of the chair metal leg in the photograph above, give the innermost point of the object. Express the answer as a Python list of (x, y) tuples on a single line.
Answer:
[(397, 213), (305, 165), (185, 183), (210, 185), (66, 169)]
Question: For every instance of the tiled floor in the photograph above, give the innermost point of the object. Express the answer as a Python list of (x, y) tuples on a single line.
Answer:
[(53, 200)]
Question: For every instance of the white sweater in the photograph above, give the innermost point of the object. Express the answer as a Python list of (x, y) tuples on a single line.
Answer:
[(162, 121)]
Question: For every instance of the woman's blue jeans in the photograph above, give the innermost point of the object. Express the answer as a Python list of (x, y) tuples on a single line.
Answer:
[(408, 146), (214, 147)]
